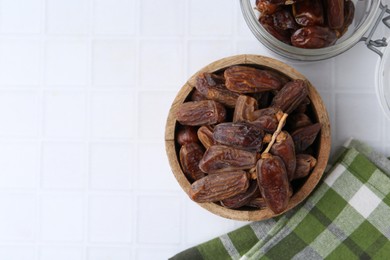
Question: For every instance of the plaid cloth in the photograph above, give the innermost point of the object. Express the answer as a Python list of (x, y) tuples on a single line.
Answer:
[(346, 217)]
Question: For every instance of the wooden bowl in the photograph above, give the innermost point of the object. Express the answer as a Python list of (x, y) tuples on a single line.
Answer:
[(322, 144)]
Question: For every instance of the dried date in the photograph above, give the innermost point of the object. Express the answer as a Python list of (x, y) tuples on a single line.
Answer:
[(266, 7), (197, 96), (305, 136), (273, 182), (245, 105), (298, 120), (190, 156), (313, 37), (335, 13), (244, 79), (349, 13), (266, 118), (240, 135), (290, 96), (212, 87), (284, 20), (205, 136), (305, 163), (309, 12), (284, 148), (222, 158), (187, 134), (258, 203), (205, 112), (267, 21), (217, 187), (243, 198)]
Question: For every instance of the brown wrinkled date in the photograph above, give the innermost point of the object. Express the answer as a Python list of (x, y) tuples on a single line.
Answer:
[(240, 135), (290, 96), (205, 112), (309, 24), (266, 7), (309, 12), (220, 186), (190, 155), (243, 135), (266, 118), (305, 163), (304, 137), (205, 136), (222, 158), (186, 135), (242, 199), (245, 106), (284, 148), (273, 182), (313, 37), (213, 88), (244, 79)]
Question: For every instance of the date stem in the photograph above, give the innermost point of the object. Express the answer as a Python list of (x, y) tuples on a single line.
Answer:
[(276, 133)]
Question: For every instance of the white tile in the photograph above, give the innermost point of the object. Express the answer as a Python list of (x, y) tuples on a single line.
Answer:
[(318, 73), (114, 62), (114, 16), (111, 165), (104, 253), (197, 214), (19, 164), (162, 17), (17, 252), (153, 112), (155, 253), (364, 201), (17, 218), (112, 114), (110, 218), (21, 62), (207, 17), (358, 116), (252, 46), (19, 113), (203, 52), (347, 70), (63, 165), (62, 216), (66, 62), (242, 28), (154, 66), (67, 16), (159, 171), (65, 114), (61, 253), (20, 16), (154, 210)]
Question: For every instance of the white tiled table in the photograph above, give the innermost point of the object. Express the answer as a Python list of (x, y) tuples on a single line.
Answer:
[(85, 88)]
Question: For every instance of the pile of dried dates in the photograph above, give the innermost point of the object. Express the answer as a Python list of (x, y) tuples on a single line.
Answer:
[(306, 24), (245, 135)]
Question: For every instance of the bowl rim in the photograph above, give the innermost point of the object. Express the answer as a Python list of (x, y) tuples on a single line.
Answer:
[(324, 140)]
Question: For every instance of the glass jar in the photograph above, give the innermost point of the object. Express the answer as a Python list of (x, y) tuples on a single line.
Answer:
[(369, 14), (365, 14)]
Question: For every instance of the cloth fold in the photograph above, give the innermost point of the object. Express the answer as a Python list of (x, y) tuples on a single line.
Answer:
[(346, 217)]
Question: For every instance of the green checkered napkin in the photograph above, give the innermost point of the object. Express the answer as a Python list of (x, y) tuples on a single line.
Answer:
[(346, 217)]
